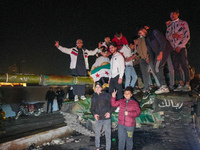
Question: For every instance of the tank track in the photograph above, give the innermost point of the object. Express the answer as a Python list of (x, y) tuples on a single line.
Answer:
[(74, 122)]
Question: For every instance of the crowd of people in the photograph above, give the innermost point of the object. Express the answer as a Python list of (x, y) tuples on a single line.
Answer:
[(152, 50)]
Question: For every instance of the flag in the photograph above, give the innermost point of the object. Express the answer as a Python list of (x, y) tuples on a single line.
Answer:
[(101, 71)]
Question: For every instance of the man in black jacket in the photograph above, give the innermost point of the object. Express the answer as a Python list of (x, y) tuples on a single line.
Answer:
[(50, 95), (101, 110), (60, 95), (159, 49)]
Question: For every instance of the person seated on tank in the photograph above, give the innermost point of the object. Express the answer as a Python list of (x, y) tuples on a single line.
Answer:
[(101, 110), (102, 61), (119, 40), (79, 64)]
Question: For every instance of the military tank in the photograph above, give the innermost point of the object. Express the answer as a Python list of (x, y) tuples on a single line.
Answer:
[(171, 113)]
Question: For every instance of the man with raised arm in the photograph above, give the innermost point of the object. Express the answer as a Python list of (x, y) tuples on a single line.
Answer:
[(78, 65)]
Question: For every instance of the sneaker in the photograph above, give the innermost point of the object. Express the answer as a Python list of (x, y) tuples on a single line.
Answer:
[(76, 98), (134, 92), (146, 95), (162, 89), (179, 88), (83, 97), (186, 88), (137, 89)]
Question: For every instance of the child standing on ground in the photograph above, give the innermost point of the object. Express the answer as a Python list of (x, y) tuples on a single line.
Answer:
[(101, 110), (129, 109)]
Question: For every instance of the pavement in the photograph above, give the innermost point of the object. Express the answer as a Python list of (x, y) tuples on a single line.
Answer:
[(143, 140)]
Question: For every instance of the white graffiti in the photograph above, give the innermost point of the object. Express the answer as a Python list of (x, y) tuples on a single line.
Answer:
[(168, 103), (151, 100)]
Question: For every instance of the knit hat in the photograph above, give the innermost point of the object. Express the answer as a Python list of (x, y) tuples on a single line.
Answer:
[(98, 83)]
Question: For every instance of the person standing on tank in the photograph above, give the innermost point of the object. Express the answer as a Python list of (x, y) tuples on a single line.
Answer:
[(79, 64), (178, 34), (159, 50), (117, 67), (119, 40)]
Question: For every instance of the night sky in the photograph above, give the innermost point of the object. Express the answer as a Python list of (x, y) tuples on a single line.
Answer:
[(29, 29)]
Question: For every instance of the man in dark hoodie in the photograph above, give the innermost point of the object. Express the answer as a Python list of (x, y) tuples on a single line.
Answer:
[(159, 50), (60, 95), (101, 110), (50, 95)]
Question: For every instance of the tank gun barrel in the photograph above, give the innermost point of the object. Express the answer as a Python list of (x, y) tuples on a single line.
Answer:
[(44, 79)]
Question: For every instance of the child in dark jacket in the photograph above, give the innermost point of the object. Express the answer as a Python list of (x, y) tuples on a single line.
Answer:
[(129, 109), (101, 110)]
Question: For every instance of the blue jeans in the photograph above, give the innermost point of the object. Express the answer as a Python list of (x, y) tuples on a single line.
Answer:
[(48, 103), (130, 74), (107, 127), (125, 136), (155, 77)]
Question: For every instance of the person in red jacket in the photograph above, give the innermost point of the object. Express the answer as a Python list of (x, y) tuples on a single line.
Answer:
[(119, 40), (129, 109)]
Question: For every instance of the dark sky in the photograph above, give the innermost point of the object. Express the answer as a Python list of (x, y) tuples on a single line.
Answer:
[(29, 28)]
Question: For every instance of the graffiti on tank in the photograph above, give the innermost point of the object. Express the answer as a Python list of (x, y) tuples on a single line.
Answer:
[(171, 103)]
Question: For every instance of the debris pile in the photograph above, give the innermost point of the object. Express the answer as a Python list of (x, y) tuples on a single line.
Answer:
[(56, 141)]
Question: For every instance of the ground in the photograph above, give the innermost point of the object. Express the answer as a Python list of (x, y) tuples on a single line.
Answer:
[(143, 140)]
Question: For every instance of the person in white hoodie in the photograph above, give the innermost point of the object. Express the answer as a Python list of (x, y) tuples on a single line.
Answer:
[(117, 66), (78, 65)]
